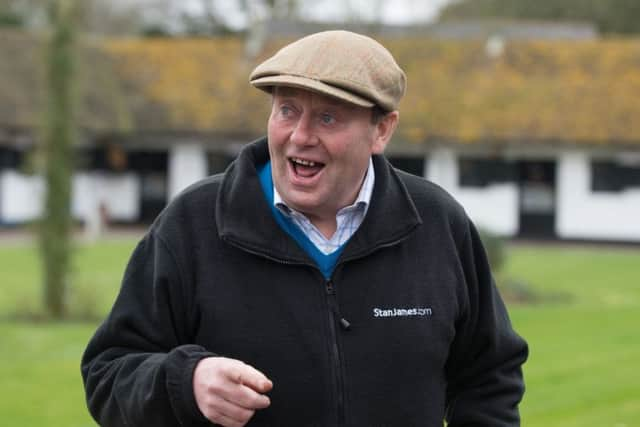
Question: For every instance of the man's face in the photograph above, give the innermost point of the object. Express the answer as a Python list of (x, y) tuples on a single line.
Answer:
[(320, 149)]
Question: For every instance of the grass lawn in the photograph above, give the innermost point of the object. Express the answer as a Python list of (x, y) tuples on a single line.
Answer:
[(581, 372), (40, 362), (40, 371), (582, 369)]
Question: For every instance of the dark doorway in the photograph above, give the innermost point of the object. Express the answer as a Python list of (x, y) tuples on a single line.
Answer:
[(152, 168), (537, 182)]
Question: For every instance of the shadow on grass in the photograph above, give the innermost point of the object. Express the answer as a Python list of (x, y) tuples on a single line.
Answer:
[(81, 307), (516, 291), (37, 318)]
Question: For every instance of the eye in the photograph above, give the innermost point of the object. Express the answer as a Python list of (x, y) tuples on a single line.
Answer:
[(285, 110), (327, 118)]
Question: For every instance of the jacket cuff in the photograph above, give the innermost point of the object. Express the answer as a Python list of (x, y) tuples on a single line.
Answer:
[(181, 362)]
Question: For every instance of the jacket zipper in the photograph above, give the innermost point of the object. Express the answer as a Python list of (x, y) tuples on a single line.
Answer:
[(334, 317)]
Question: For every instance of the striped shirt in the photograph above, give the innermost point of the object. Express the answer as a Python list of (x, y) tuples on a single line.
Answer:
[(348, 219)]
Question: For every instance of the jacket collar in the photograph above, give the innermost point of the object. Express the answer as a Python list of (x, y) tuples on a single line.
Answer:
[(244, 218)]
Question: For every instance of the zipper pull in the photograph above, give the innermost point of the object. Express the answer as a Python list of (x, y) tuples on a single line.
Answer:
[(344, 323), (329, 288)]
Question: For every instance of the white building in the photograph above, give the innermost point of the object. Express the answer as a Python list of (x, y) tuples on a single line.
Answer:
[(535, 139)]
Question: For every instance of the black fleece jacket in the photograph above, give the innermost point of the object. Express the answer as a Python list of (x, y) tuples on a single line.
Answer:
[(408, 331)]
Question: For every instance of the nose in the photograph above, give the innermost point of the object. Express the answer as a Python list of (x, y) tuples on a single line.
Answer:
[(303, 133)]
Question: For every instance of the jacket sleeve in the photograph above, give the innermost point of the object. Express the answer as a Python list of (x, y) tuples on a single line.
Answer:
[(138, 367), (484, 368)]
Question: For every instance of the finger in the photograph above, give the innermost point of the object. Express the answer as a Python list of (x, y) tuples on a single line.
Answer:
[(242, 373), (246, 397)]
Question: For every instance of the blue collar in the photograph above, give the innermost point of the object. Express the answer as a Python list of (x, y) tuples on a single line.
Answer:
[(326, 263)]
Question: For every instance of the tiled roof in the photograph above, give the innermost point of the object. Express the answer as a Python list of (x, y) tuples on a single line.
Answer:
[(586, 91), (22, 85), (184, 84), (20, 78), (571, 91)]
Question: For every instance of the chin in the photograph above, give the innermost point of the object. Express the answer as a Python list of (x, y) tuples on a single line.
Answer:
[(303, 206)]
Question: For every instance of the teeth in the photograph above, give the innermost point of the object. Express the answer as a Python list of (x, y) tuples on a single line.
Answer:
[(303, 162)]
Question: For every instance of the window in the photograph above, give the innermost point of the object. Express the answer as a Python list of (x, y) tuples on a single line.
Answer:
[(10, 158), (412, 165), (102, 158), (148, 161), (609, 176), (481, 172)]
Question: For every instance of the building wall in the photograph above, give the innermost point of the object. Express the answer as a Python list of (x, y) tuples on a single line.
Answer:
[(187, 164), (494, 207), (118, 194), (584, 214), (580, 213), (22, 196)]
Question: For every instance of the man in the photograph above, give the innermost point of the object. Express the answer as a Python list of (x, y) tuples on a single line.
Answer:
[(311, 284)]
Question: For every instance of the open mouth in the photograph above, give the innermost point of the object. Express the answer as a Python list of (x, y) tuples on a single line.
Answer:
[(305, 168)]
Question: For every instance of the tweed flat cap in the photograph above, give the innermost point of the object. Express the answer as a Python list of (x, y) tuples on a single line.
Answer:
[(341, 64)]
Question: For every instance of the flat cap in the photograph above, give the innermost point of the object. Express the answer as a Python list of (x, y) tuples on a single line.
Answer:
[(341, 64)]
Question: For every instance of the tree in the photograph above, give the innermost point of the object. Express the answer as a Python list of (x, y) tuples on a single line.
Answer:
[(21, 13), (610, 16), (112, 17), (103, 17), (60, 131)]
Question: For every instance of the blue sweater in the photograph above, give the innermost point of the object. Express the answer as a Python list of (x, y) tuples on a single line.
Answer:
[(326, 263)]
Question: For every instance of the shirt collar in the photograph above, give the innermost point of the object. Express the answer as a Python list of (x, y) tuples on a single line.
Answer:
[(363, 199)]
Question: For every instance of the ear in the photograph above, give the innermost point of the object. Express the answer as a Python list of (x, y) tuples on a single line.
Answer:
[(384, 131)]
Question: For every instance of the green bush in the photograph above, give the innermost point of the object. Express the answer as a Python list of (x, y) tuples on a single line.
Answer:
[(494, 245)]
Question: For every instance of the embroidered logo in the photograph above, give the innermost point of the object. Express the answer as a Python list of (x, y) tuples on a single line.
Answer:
[(402, 312)]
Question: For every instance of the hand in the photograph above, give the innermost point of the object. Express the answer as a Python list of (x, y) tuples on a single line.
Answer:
[(228, 391)]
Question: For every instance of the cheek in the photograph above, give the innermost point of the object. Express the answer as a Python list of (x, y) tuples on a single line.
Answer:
[(274, 145), (271, 129), (354, 151), (277, 133)]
